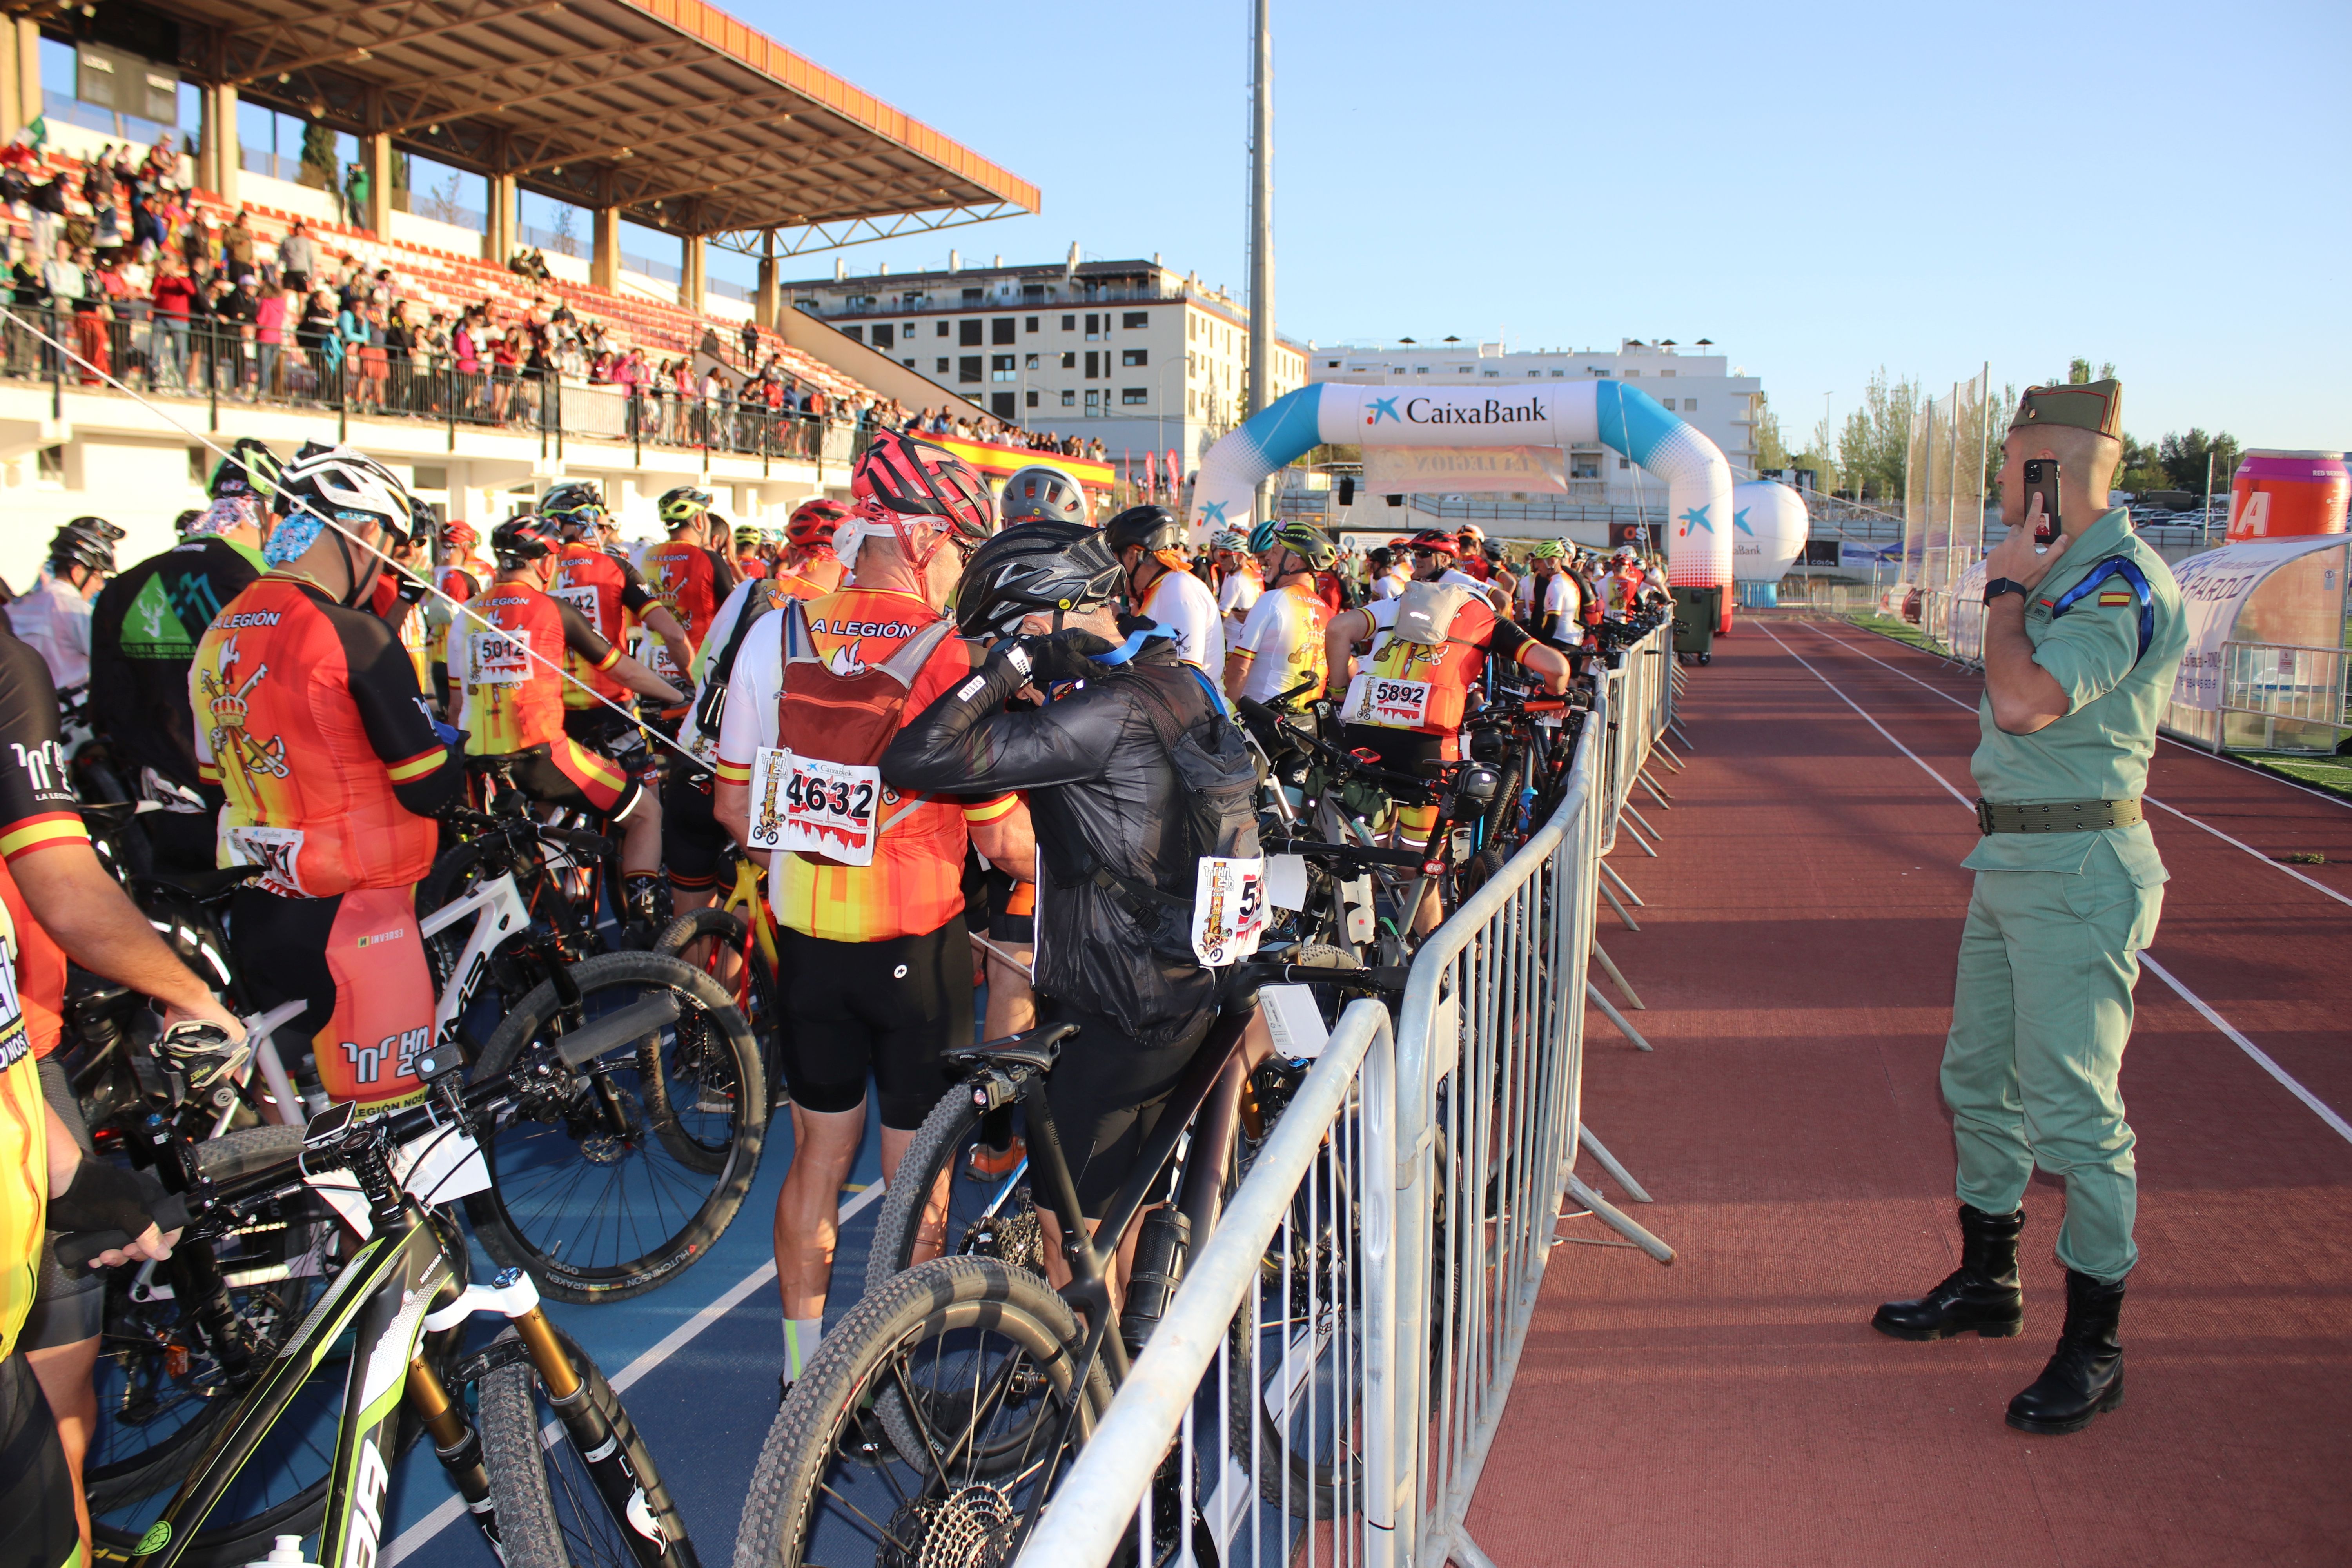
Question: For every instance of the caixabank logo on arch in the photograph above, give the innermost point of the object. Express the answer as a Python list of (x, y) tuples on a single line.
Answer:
[(1464, 409)]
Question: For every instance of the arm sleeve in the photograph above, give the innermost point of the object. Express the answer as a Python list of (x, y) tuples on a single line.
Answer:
[(585, 639), (426, 774), (37, 808), (635, 594), (2094, 644), (964, 744)]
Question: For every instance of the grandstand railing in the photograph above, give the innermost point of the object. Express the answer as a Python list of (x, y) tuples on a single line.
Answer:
[(1377, 1268), (204, 359)]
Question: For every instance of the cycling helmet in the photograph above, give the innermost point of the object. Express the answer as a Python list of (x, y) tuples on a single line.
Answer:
[(460, 540), (343, 485), (905, 475), (1153, 527), (181, 524), (1432, 540), (85, 541), (576, 507), (1547, 549), (1033, 568), (519, 541), (1261, 537), (683, 507), (750, 536), (1310, 542), (1041, 491), (250, 468), (814, 523), (1232, 538)]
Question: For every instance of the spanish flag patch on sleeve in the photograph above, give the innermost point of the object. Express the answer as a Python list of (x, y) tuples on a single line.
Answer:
[(2114, 596)]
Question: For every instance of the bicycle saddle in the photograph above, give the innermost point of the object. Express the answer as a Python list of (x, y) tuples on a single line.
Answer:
[(204, 887), (1035, 1048)]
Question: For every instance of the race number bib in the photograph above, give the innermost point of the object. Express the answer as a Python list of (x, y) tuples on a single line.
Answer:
[(1386, 700), (581, 598), (805, 805), (659, 660), (500, 658), (1228, 909), (277, 850)]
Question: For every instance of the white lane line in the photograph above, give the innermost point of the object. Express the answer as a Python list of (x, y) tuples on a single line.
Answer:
[(677, 1339), (2339, 896), (2261, 1057)]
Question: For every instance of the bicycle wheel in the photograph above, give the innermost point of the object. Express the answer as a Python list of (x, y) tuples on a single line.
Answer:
[(589, 1191), (755, 984), (988, 1351), (161, 1394), (551, 1514), (970, 1216)]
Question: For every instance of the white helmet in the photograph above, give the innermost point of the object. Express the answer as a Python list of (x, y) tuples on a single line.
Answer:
[(1232, 538), (342, 484)]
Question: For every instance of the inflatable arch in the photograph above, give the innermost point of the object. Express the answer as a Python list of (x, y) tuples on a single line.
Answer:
[(1626, 419), (1769, 526)]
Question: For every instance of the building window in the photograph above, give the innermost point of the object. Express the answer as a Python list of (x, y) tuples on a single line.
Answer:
[(1666, 372), (968, 368), (1131, 319), (854, 335), (1029, 362), (1559, 373), (883, 337), (1028, 323), (973, 296), (1331, 364), (968, 334), (1135, 356), (943, 366), (1690, 404), (1094, 326), (50, 468), (1001, 404), (1630, 375), (1033, 291), (907, 362), (1069, 398), (423, 479), (1539, 373), (1000, 367), (1000, 331), (1032, 399), (1622, 463), (942, 330), (1421, 370), (1094, 364), (1070, 360), (1069, 323), (1094, 403), (1134, 395), (1493, 372)]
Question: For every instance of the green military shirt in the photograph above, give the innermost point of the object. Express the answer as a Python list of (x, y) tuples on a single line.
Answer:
[(2115, 693)]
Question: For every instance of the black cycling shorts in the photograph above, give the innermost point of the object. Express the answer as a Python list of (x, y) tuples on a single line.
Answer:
[(36, 1490), (618, 737), (569, 773), (692, 841), (1404, 751), (69, 1305), (1107, 1093), (886, 1009)]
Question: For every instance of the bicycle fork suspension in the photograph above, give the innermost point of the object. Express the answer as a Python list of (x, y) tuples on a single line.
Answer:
[(456, 1445), (592, 1433)]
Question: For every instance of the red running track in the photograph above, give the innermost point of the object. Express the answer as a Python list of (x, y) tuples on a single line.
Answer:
[(1797, 958)]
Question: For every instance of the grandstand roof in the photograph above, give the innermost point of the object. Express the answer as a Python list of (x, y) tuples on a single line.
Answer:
[(671, 111)]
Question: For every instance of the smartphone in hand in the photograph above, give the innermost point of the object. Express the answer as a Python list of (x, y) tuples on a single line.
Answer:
[(2042, 477)]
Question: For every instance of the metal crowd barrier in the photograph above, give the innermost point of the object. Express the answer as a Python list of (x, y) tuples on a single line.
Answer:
[(1335, 1365)]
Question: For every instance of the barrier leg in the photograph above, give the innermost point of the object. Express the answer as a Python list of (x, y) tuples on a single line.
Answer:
[(1619, 979), (1647, 848), (1617, 1173), (1623, 913), (1644, 821), (1463, 1553), (1665, 802), (1659, 744), (1622, 885), (1609, 1215), (1623, 1027), (1675, 725)]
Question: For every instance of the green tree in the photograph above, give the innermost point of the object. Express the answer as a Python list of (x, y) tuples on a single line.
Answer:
[(1874, 447), (1820, 456), (318, 152), (1771, 451), (2184, 460)]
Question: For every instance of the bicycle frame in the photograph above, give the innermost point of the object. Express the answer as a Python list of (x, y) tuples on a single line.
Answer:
[(498, 903)]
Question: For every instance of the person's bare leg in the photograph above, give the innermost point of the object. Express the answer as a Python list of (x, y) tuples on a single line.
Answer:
[(64, 1374), (641, 837), (1011, 1002), (808, 1208)]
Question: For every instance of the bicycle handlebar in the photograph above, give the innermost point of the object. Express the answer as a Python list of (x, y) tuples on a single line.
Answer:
[(75, 1250)]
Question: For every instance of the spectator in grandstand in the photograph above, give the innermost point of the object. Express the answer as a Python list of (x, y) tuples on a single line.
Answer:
[(239, 242), (274, 316), (298, 256), (173, 298)]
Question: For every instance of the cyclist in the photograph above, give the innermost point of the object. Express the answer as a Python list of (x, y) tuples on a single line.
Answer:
[(809, 566), (1470, 550), (688, 576), (57, 901), (748, 542), (876, 971), (1280, 646), (54, 619), (1149, 543), (1040, 492), (1555, 606), (143, 634), (510, 693), (1429, 646), (1113, 825), (1240, 584), (309, 715), (1388, 572), (459, 577)]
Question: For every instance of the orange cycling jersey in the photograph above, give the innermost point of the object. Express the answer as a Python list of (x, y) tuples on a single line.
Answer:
[(693, 582), (605, 589), (457, 583), (509, 699), (1405, 679), (309, 715)]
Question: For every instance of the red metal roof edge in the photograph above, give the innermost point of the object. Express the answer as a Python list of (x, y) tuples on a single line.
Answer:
[(763, 54)]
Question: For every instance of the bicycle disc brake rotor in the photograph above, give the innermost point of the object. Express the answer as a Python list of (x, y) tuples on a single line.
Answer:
[(972, 1527)]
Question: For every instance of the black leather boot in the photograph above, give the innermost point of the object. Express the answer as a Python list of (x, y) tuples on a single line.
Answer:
[(1980, 1297), (2086, 1375)]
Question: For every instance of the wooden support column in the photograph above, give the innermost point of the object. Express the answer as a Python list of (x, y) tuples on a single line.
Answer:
[(501, 239), (375, 157), (768, 304), (694, 280), (604, 260)]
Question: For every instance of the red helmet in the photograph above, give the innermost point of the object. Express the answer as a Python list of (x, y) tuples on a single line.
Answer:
[(1431, 540), (814, 523), (904, 476), (458, 539)]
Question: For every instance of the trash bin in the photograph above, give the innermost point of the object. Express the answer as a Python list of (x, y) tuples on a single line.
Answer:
[(1698, 612)]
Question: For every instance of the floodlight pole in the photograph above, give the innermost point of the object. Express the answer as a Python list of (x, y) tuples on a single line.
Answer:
[(1261, 283)]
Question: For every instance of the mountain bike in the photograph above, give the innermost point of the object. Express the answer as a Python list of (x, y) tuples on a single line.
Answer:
[(935, 1419), (587, 1492), (734, 943)]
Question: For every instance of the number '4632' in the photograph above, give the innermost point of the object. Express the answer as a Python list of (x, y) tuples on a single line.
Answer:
[(837, 797)]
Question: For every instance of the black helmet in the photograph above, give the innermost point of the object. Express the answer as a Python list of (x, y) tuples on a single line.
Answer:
[(1041, 492), (1030, 568), (85, 541), (522, 538), (1153, 527), (683, 506), (249, 469), (575, 506)]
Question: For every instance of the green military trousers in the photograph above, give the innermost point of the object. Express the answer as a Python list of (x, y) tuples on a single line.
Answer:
[(2041, 1011)]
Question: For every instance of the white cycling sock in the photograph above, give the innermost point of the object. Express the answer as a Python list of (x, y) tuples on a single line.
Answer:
[(801, 1335)]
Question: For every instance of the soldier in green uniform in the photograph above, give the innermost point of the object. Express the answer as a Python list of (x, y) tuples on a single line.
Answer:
[(2081, 642)]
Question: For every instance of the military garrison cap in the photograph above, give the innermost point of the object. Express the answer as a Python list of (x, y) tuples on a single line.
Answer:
[(2086, 406)]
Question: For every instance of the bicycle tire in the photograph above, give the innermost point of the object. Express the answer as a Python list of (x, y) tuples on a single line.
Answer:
[(761, 983), (937, 1147), (551, 1514), (709, 1031), (945, 1296)]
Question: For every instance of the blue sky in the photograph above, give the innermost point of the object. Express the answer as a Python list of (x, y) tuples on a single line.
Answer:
[(1821, 189)]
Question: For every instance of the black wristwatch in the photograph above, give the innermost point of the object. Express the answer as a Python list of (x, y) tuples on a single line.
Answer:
[(1999, 585)]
